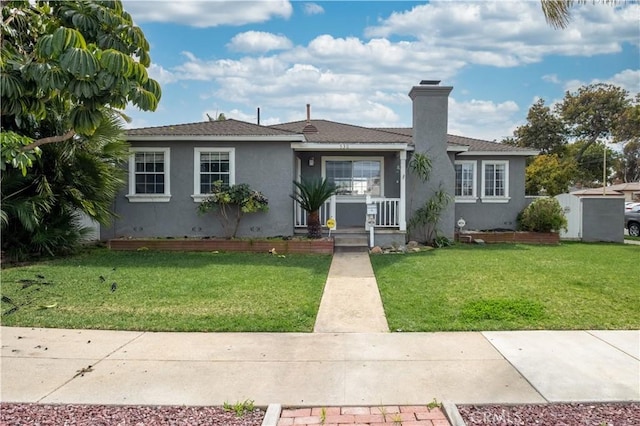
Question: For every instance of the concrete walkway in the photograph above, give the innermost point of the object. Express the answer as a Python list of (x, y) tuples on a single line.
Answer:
[(351, 301)]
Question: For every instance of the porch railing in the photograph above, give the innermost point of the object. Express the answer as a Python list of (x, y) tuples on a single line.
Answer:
[(326, 211), (388, 212), (388, 215)]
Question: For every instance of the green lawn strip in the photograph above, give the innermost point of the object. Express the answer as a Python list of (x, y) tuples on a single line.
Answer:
[(629, 237), (167, 291), (512, 287)]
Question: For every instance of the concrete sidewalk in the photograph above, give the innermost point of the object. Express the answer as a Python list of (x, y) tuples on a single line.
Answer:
[(321, 369)]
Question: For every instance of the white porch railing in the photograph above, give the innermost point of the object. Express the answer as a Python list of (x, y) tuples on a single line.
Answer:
[(388, 215), (327, 210), (388, 212)]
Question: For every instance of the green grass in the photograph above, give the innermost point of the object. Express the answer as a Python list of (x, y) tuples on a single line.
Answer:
[(512, 287), (629, 237), (162, 291)]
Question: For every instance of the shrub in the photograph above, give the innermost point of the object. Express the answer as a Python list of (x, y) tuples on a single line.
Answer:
[(230, 203), (543, 215)]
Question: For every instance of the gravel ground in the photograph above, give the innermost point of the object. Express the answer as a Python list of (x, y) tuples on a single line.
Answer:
[(103, 415), (596, 414)]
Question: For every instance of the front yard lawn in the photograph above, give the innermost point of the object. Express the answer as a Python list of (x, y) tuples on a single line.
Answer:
[(512, 287), (167, 291)]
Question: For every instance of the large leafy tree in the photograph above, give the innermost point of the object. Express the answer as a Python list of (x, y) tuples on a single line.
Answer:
[(83, 56), (593, 114), (67, 70), (549, 174)]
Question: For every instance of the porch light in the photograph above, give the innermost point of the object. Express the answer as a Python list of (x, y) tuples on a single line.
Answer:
[(312, 161)]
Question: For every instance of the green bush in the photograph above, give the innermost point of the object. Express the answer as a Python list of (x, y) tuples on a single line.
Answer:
[(543, 215)]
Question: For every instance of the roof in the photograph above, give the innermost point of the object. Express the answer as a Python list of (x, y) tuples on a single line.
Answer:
[(627, 186), (596, 191), (315, 131), (229, 127), (331, 131)]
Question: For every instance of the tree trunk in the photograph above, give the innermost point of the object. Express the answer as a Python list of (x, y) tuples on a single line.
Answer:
[(314, 229)]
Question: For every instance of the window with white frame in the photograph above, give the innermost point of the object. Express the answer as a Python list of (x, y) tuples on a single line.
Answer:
[(355, 176), (211, 165), (495, 181), (465, 184), (149, 175)]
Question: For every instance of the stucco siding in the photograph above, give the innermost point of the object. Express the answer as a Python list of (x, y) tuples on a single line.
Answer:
[(267, 167), (480, 215)]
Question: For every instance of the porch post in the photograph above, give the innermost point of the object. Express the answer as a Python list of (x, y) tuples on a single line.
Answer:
[(402, 216)]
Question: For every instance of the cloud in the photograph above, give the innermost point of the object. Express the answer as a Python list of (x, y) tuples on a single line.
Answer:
[(312, 9), (210, 13), (258, 42), (482, 119), (161, 75), (511, 33), (626, 79), (551, 78)]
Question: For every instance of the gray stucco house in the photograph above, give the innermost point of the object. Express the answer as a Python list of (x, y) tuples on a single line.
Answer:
[(171, 167)]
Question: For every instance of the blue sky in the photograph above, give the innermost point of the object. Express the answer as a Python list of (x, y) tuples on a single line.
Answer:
[(355, 62)]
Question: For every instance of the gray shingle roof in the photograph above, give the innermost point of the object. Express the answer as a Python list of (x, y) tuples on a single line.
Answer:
[(327, 132), (333, 132), (227, 127)]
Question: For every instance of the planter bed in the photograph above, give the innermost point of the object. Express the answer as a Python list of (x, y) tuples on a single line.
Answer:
[(321, 246), (510, 237)]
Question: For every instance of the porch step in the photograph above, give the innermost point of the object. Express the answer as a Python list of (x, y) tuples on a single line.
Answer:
[(351, 241)]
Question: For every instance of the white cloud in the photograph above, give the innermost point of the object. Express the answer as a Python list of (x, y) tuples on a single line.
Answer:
[(312, 9), (210, 13), (482, 119), (258, 42), (551, 78), (626, 79), (161, 75)]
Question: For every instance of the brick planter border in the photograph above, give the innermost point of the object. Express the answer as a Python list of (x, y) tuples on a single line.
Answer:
[(511, 237), (322, 246)]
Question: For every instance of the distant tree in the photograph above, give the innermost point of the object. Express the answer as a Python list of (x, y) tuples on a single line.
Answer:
[(593, 114), (549, 174), (628, 165), (544, 131)]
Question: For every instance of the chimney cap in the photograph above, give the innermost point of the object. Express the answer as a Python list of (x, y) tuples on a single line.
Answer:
[(430, 82)]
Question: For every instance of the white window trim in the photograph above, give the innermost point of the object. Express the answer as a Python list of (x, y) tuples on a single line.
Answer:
[(493, 199), (197, 196), (474, 196), (149, 198), (354, 198)]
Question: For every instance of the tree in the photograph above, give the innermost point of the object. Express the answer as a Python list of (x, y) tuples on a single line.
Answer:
[(67, 69), (40, 210), (84, 57), (549, 174), (628, 164), (311, 195), (544, 131), (592, 114)]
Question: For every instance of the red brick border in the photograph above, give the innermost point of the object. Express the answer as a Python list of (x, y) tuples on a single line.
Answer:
[(322, 246), (511, 237), (364, 416)]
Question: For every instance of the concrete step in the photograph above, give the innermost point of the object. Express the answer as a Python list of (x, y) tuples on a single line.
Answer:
[(351, 240)]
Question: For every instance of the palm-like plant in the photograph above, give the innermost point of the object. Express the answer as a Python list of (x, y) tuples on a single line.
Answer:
[(311, 195)]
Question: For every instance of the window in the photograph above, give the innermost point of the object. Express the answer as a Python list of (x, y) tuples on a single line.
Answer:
[(211, 165), (465, 186), (355, 176), (495, 181), (149, 175)]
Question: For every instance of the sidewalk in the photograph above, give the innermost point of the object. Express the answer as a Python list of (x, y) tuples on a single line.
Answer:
[(318, 369)]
